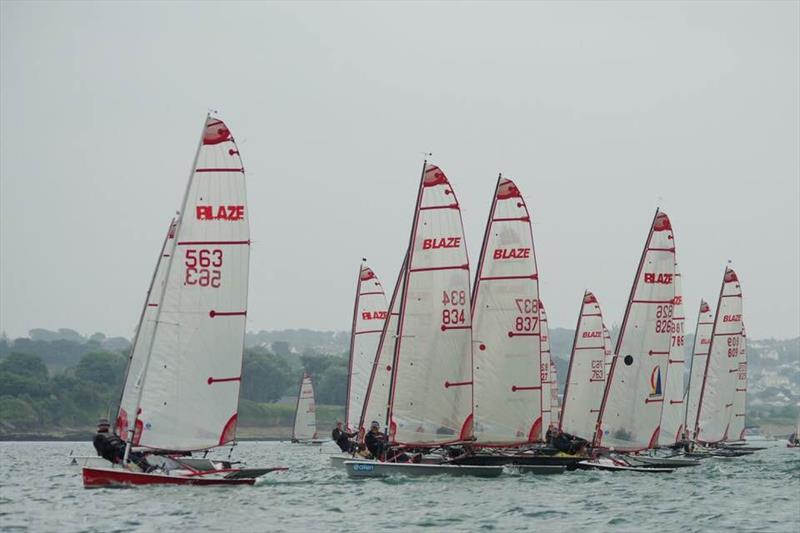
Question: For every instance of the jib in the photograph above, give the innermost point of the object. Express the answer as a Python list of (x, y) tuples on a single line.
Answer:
[(732, 318), (373, 315), (444, 242), (652, 277), (512, 253), (592, 334), (222, 212)]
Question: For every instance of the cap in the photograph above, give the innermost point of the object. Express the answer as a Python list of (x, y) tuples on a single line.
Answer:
[(374, 424)]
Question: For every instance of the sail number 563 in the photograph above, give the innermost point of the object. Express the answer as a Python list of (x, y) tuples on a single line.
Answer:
[(202, 267)]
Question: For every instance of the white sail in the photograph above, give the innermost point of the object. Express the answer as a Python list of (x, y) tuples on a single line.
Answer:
[(190, 385), (740, 397), (144, 337), (631, 410), (545, 370), (555, 407), (702, 342), (505, 326), (376, 404), (305, 415), (585, 382), (672, 415), (369, 315), (431, 398), (722, 366)]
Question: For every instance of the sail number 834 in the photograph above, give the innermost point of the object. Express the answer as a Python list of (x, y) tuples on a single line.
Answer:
[(454, 303), (203, 267)]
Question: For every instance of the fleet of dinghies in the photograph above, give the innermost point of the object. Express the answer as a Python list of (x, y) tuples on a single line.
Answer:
[(456, 373)]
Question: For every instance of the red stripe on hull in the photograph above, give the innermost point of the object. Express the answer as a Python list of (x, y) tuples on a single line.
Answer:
[(106, 477)]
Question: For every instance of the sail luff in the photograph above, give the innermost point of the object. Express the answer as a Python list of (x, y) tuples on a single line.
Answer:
[(135, 416), (348, 399)]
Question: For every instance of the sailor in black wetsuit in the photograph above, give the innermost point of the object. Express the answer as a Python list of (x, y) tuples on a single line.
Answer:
[(112, 448), (375, 440), (342, 438), (109, 446)]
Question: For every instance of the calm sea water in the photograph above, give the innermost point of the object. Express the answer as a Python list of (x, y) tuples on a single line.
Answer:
[(39, 491)]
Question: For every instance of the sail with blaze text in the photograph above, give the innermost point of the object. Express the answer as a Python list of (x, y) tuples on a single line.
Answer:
[(545, 371), (144, 336), (630, 413), (431, 390), (702, 343), (672, 414), (583, 390), (505, 326), (740, 397), (722, 365), (305, 415), (369, 315), (187, 397), (376, 402)]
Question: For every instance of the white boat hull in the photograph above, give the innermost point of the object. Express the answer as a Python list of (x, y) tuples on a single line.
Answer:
[(616, 466), (369, 468)]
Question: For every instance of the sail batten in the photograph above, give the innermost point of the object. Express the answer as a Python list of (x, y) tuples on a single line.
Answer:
[(630, 412), (505, 326)]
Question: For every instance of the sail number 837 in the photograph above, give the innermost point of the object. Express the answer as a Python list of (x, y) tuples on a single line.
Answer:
[(203, 267)]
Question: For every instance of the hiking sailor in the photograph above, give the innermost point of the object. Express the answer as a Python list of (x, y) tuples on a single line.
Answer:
[(342, 438), (375, 440), (112, 448)]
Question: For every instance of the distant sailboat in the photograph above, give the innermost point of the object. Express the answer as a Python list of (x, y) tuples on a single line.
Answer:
[(182, 387), (369, 315), (304, 428), (549, 420), (736, 432), (505, 324), (585, 381), (715, 408), (702, 341), (672, 415), (630, 412)]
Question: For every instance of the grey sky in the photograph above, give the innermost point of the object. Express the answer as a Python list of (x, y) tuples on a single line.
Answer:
[(599, 111)]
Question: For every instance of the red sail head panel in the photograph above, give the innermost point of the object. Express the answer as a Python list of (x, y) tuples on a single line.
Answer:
[(730, 276), (662, 223), (216, 132), (704, 307), (434, 176), (507, 190), (589, 298), (367, 274)]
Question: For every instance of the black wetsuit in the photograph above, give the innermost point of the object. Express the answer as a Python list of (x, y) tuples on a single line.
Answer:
[(376, 444), (342, 438), (109, 446)]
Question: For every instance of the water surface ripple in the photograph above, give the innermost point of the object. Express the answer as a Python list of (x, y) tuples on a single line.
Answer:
[(39, 491)]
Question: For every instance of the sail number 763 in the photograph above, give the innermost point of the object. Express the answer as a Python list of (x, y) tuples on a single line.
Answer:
[(203, 267)]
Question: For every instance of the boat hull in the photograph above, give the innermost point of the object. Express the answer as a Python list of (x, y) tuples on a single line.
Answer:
[(615, 467), (367, 469), (661, 462), (118, 477), (570, 463), (541, 470)]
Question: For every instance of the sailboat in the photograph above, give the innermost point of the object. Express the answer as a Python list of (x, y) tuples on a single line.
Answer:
[(430, 388), (505, 324), (586, 378), (702, 342), (304, 429), (715, 409), (369, 315), (630, 413), (182, 385), (672, 414), (546, 369)]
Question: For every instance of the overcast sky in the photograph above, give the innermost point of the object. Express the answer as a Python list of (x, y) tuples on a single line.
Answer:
[(599, 111)]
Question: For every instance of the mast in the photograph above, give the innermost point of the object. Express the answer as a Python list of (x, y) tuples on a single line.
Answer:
[(352, 345), (135, 416), (406, 272)]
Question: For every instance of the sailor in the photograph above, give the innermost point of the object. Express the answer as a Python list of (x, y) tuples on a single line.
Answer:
[(108, 445), (342, 438), (375, 440)]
